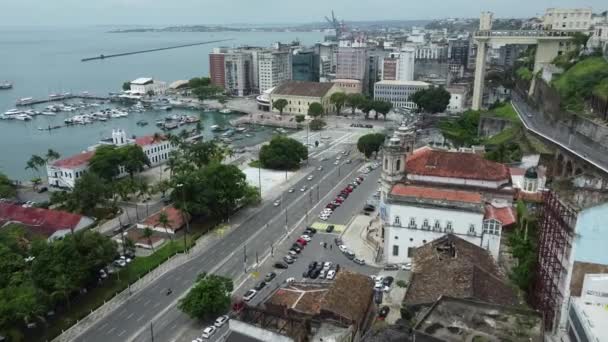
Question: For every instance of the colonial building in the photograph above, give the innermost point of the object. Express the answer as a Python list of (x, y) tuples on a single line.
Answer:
[(427, 193), (64, 172), (300, 95), (143, 86)]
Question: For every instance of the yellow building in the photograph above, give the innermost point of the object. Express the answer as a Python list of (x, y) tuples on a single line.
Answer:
[(300, 94)]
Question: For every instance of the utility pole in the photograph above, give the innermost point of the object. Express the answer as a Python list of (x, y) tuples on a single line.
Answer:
[(151, 332), (260, 173)]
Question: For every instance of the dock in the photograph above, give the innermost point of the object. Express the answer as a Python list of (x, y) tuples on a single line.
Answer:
[(263, 121), (30, 102)]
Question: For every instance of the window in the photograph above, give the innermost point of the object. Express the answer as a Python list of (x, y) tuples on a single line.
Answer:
[(449, 228), (398, 165), (425, 224), (411, 251), (412, 222), (397, 221), (437, 226), (395, 250), (491, 227), (472, 229), (423, 241), (386, 163)]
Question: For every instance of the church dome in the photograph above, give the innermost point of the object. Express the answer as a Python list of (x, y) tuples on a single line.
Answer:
[(531, 173)]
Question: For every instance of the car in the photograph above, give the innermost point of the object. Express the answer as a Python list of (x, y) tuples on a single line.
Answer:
[(298, 244), (43, 189), (277, 203), (320, 168), (353, 185), (327, 210), (303, 188), (280, 265), (407, 267), (126, 259), (391, 267), (324, 217), (336, 203), (221, 321), (198, 339), (288, 259), (310, 177), (338, 158), (302, 241), (349, 161), (324, 159), (384, 312), (378, 297), (291, 190), (348, 189), (260, 285), (310, 231), (290, 280), (103, 274), (296, 249), (359, 261), (269, 276), (378, 285), (337, 162), (331, 206), (388, 281), (330, 228), (349, 254), (208, 332), (339, 200), (338, 241), (306, 237), (327, 265), (322, 273), (369, 208), (249, 295), (315, 273), (312, 265), (343, 152), (360, 179), (342, 248), (306, 274), (293, 254), (120, 263), (331, 274)]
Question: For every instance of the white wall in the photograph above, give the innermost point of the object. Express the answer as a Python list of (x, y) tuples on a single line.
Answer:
[(158, 153), (64, 177), (458, 181)]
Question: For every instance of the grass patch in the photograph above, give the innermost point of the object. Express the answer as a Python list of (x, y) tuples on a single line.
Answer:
[(504, 111), (255, 163), (580, 81), (503, 137)]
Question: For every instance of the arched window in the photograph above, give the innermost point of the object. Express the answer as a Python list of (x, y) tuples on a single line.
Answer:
[(425, 224), (397, 221), (398, 165), (449, 228), (412, 222), (386, 163), (437, 226)]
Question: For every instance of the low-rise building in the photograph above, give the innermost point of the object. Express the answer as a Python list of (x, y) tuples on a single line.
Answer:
[(53, 224), (145, 85), (398, 92), (175, 217), (300, 95), (589, 312), (458, 98), (567, 19), (348, 86)]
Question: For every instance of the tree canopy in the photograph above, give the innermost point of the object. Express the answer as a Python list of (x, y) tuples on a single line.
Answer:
[(7, 188), (209, 297), (279, 105), (315, 109), (89, 191), (317, 124), (338, 99), (381, 107), (283, 153), (431, 100), (370, 143), (354, 101), (133, 159), (106, 161)]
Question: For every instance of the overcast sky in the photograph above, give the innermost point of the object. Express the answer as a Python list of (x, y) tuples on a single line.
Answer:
[(167, 12)]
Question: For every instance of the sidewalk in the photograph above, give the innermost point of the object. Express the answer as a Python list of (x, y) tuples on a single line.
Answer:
[(355, 238)]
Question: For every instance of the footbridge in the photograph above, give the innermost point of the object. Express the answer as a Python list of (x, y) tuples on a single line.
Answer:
[(549, 44)]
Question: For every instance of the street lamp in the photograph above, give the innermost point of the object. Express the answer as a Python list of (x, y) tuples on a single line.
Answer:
[(181, 187)]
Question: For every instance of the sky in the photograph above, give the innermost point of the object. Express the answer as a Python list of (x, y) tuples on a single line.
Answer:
[(176, 12)]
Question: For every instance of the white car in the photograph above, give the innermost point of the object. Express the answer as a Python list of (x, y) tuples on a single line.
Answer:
[(305, 238), (407, 267), (336, 162), (324, 217), (378, 285), (310, 177), (338, 157), (291, 190), (249, 295), (208, 332), (277, 203), (330, 275), (327, 265), (342, 248), (320, 168), (221, 321), (303, 188), (290, 280)]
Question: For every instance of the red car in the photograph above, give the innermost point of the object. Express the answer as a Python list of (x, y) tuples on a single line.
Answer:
[(339, 199), (301, 242), (349, 189)]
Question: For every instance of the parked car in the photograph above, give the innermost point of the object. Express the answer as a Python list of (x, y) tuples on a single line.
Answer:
[(327, 265), (208, 332), (220, 321), (302, 241), (320, 168), (330, 275), (292, 254), (349, 254), (369, 207), (303, 188), (310, 231), (312, 265), (306, 237), (296, 249), (281, 265), (330, 228), (388, 281), (270, 276), (391, 267), (249, 295), (291, 190), (384, 312), (277, 203), (322, 274), (310, 177), (260, 285), (338, 241), (42, 189), (407, 267), (288, 259), (359, 261), (378, 297)]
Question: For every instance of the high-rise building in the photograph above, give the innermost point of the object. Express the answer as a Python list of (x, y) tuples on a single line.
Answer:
[(238, 73), (406, 64), (351, 63), (389, 67), (458, 51), (216, 67), (274, 67), (305, 66)]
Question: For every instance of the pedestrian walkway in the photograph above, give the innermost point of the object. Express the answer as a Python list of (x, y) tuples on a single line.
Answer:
[(338, 228), (361, 238)]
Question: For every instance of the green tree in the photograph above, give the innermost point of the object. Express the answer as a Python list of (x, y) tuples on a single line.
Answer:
[(300, 118), (354, 101), (207, 92), (51, 155), (580, 39), (382, 107), (283, 153), (279, 105), (89, 191), (338, 99), (431, 100), (370, 143), (317, 124), (197, 82), (202, 153), (106, 161), (315, 109), (133, 158), (35, 163), (209, 297), (7, 188), (366, 105), (126, 85), (147, 233), (164, 221)]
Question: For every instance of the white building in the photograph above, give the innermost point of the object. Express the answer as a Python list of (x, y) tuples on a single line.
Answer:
[(588, 313), (143, 85), (398, 92), (300, 94), (599, 37), (238, 72), (428, 193), (274, 68), (405, 66), (64, 172), (567, 19), (348, 86), (458, 97)]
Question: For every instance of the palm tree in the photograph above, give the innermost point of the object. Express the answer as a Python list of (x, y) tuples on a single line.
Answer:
[(63, 288), (30, 165), (51, 155), (163, 219), (148, 235), (157, 137)]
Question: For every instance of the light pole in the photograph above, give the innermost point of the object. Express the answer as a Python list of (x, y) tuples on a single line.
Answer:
[(260, 173), (184, 216)]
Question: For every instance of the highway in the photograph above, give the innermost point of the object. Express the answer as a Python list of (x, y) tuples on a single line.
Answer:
[(150, 310)]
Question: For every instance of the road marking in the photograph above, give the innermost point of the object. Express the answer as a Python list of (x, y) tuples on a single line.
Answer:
[(110, 331), (146, 302), (140, 318), (156, 305), (103, 326), (130, 315), (122, 333), (122, 312)]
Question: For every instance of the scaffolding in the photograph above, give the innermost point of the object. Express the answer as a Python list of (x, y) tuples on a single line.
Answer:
[(556, 231)]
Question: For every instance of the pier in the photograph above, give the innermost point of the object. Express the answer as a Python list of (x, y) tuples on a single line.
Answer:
[(264, 120), (102, 56), (60, 98)]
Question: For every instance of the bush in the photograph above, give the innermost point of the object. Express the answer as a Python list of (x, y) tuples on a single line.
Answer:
[(401, 283), (317, 124)]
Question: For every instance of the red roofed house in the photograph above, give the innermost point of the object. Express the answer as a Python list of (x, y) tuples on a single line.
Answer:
[(53, 224), (427, 193), (63, 173), (175, 217)]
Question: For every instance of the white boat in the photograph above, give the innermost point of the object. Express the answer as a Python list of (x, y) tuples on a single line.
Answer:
[(216, 128), (48, 113), (241, 129), (13, 112), (6, 85), (225, 111), (23, 117)]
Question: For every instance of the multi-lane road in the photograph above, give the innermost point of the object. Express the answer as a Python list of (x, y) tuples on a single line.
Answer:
[(152, 311)]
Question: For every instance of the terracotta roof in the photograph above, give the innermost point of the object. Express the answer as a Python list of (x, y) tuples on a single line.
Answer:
[(453, 267), (176, 219), (299, 297), (536, 197), (301, 88), (505, 215), (42, 221), (429, 162), (517, 171), (148, 140), (75, 160), (435, 193), (349, 296)]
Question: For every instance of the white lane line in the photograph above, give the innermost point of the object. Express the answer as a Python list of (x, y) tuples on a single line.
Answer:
[(146, 302), (122, 333), (103, 326), (140, 318), (156, 305), (110, 331), (130, 315)]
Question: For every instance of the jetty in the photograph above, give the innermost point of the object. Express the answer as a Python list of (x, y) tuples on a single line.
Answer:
[(264, 120), (102, 56), (31, 101)]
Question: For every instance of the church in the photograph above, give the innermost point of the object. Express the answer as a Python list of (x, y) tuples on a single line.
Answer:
[(427, 193)]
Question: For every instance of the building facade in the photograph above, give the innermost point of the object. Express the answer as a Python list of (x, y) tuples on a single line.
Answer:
[(458, 96), (146, 85), (305, 66), (351, 63), (588, 313), (216, 67), (349, 86), (238, 73), (274, 68), (398, 92), (567, 19), (300, 95)]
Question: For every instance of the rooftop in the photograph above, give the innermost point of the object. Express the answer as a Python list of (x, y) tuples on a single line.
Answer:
[(303, 88), (42, 221), (75, 160), (345, 80), (593, 318), (403, 190), (504, 214), (451, 266), (142, 81), (397, 82), (429, 162), (455, 320), (149, 140), (174, 216)]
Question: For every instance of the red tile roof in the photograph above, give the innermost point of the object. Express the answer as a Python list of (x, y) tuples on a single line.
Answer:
[(176, 219), (505, 215), (517, 171), (148, 140), (42, 221), (75, 160), (429, 162), (435, 193)]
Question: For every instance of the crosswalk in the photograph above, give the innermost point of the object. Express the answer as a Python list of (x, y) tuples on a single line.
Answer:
[(321, 226)]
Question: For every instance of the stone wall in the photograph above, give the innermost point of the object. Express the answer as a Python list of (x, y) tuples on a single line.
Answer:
[(490, 126)]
